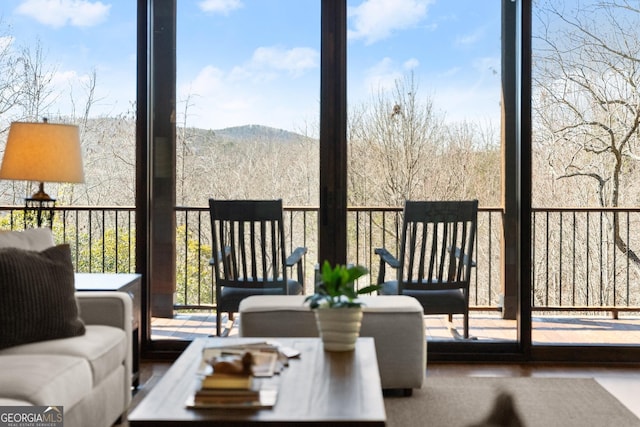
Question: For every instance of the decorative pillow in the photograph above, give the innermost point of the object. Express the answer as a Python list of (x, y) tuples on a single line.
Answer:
[(35, 239), (37, 300)]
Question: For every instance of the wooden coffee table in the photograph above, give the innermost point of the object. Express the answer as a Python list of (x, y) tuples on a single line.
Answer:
[(320, 388)]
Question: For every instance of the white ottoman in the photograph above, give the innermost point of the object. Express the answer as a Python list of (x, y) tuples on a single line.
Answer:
[(396, 322)]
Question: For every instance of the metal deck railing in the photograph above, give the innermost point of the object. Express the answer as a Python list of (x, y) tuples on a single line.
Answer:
[(583, 259)]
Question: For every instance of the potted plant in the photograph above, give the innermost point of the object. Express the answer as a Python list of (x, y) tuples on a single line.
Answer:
[(336, 306)]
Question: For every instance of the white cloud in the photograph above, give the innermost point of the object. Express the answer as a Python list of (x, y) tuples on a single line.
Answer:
[(220, 6), (471, 38), (70, 82), (294, 61), (382, 76), (70, 94), (216, 96), (240, 95), (58, 13), (268, 64), (375, 20), (239, 73), (64, 78), (217, 101), (450, 72), (411, 64), (207, 82), (468, 102)]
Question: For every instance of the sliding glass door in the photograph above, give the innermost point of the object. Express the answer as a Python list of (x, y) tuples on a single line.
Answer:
[(585, 219)]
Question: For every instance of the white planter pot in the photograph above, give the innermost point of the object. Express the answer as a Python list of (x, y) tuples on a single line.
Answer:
[(339, 328)]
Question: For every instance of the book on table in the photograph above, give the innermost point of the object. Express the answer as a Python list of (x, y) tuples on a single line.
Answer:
[(220, 391), (228, 382), (231, 393), (243, 389), (264, 398)]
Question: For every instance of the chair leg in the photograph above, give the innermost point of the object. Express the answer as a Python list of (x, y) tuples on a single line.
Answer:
[(218, 320), (466, 325)]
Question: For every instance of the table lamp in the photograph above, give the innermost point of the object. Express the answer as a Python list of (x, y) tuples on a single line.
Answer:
[(42, 152)]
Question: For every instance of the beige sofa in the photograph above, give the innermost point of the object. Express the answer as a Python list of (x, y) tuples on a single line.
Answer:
[(88, 374)]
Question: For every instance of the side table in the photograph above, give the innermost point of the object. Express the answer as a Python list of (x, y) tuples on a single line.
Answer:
[(119, 282)]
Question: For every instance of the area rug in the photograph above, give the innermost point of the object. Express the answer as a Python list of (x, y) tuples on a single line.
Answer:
[(541, 402)]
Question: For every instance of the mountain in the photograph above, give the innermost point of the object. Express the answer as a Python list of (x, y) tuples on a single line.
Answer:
[(257, 133)]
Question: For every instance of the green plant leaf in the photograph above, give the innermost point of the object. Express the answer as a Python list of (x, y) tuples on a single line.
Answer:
[(337, 287), (368, 289)]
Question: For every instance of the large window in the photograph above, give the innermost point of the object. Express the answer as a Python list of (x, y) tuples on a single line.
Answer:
[(586, 112), (424, 92)]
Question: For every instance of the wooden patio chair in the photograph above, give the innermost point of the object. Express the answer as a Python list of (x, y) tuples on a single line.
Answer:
[(248, 253), (435, 256)]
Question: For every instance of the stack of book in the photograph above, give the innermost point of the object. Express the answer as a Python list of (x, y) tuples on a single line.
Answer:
[(227, 390), (232, 377)]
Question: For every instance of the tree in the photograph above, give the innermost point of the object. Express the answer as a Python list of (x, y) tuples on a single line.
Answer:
[(10, 81), (400, 148), (26, 92), (394, 143), (36, 95)]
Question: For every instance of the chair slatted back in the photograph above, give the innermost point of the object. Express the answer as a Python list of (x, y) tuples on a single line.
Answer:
[(437, 243), (248, 240)]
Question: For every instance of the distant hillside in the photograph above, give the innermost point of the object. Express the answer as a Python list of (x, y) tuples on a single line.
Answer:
[(257, 133), (247, 134)]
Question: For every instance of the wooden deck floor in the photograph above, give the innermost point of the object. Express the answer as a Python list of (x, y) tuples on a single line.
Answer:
[(569, 329)]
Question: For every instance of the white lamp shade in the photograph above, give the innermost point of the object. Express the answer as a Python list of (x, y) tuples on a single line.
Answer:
[(43, 152)]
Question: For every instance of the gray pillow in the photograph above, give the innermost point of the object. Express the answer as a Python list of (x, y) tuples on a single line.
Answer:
[(37, 300)]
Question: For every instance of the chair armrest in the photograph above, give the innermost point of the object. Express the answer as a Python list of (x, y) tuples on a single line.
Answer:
[(296, 256), (386, 256)]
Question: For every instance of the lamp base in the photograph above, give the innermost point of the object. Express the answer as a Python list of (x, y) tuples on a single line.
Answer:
[(39, 211), (41, 195)]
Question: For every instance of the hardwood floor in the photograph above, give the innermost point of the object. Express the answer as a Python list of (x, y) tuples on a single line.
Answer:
[(623, 382)]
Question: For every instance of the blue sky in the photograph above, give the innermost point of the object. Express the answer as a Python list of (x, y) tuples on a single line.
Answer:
[(257, 61)]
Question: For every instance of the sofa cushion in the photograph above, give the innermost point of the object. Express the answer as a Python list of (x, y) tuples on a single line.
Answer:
[(44, 379), (13, 402), (37, 299), (104, 347), (34, 239)]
